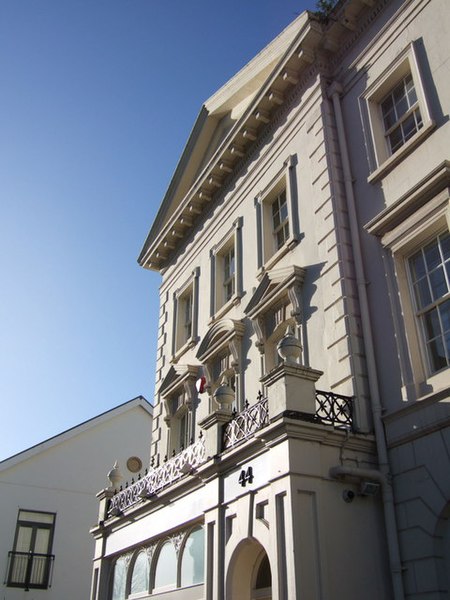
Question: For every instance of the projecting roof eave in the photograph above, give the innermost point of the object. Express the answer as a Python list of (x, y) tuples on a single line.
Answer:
[(170, 227)]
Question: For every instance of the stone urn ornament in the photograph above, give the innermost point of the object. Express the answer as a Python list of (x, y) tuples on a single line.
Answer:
[(289, 347), (224, 395), (115, 476)]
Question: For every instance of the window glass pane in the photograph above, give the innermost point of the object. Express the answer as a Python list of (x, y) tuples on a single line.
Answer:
[(422, 290), (437, 354), (193, 559), (438, 283), (444, 313), (396, 139), (120, 575), (166, 568), (417, 266), (432, 255), (23, 543), (42, 541), (409, 127), (432, 325), (140, 577), (36, 517)]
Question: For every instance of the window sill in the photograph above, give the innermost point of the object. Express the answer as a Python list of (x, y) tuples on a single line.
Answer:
[(270, 262), (398, 156), (183, 349), (234, 301)]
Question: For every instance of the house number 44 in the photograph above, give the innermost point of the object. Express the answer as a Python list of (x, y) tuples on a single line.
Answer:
[(246, 476)]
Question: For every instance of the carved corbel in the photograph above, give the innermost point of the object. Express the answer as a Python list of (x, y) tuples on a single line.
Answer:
[(295, 298)]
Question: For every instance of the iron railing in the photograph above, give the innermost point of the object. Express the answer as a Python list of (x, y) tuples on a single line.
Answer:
[(29, 570), (334, 409), (246, 423), (331, 409), (158, 478)]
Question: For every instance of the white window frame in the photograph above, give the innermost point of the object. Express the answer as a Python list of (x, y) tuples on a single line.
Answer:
[(403, 236), (268, 251), (381, 159), (433, 304), (231, 242), (186, 294)]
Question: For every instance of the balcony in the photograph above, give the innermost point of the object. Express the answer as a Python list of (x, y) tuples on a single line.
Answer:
[(29, 570), (331, 410)]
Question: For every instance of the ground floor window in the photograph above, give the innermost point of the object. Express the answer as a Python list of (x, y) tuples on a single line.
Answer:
[(169, 563), (30, 562)]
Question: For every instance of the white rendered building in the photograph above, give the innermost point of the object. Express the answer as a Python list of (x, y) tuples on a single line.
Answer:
[(48, 501), (301, 444)]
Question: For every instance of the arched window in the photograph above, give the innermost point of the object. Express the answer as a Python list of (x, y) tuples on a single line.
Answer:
[(140, 575), (166, 567), (192, 562), (119, 579)]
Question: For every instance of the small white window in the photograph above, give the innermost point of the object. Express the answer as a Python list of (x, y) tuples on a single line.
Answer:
[(401, 114), (430, 278), (277, 218), (395, 112), (185, 316), (229, 274), (226, 271), (280, 220)]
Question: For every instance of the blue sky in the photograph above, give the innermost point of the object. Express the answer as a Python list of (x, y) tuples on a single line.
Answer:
[(97, 100)]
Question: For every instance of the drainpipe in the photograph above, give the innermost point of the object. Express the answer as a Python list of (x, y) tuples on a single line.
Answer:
[(334, 93)]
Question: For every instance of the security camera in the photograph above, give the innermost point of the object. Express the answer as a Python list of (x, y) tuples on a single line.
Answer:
[(348, 495)]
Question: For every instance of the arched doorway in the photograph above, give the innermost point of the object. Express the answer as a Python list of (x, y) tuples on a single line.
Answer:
[(249, 575)]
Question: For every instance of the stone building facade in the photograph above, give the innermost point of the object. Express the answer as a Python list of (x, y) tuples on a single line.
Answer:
[(300, 445)]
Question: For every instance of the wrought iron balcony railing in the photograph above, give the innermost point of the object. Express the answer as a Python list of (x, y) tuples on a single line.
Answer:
[(29, 570), (246, 423), (158, 478), (331, 409), (334, 409)]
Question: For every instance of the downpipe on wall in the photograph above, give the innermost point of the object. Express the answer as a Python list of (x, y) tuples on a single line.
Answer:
[(335, 92)]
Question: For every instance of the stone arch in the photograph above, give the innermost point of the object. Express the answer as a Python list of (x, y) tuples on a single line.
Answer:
[(244, 579)]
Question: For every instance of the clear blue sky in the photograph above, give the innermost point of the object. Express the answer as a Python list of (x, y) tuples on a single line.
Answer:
[(97, 99)]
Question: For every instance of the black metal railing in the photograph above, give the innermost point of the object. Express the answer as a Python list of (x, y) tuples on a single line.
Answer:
[(334, 409), (331, 409), (29, 570)]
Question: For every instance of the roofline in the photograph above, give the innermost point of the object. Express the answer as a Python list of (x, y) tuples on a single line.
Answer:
[(72, 431)]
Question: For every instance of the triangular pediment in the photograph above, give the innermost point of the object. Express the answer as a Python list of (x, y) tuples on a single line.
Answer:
[(224, 128), (273, 285), (176, 375)]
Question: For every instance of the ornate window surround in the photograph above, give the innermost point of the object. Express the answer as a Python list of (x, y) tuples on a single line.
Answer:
[(286, 179), (190, 287), (277, 289), (233, 238), (225, 334), (416, 218), (179, 381)]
